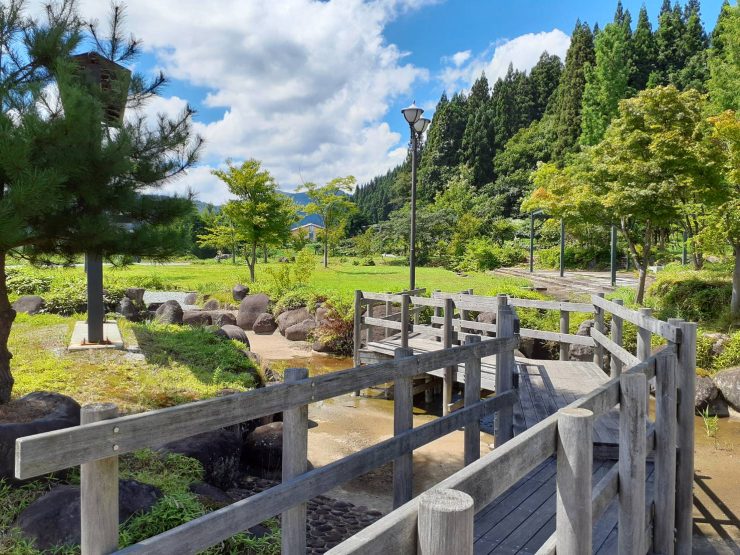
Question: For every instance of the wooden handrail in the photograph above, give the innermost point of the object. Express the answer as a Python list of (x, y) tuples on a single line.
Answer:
[(658, 327)]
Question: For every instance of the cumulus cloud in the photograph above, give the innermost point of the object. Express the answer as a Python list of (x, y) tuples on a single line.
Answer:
[(304, 86), (522, 51)]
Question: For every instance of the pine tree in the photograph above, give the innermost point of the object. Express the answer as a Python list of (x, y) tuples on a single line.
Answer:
[(607, 80), (480, 94), (643, 53), (567, 111), (695, 70), (68, 183), (477, 147), (724, 61), (544, 78), (669, 39)]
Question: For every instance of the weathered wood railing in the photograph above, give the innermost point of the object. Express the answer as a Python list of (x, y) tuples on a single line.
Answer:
[(665, 525), (103, 437)]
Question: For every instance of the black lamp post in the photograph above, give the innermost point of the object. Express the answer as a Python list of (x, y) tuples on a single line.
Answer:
[(417, 126), (111, 81)]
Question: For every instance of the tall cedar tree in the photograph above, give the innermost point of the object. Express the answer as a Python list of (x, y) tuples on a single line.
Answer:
[(476, 144), (606, 81), (669, 39), (69, 184), (567, 111), (643, 53)]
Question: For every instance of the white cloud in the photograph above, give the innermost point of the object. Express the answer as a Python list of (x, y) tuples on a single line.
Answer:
[(522, 51), (304, 85), (459, 58)]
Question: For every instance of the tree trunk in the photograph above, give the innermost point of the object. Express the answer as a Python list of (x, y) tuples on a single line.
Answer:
[(735, 300), (326, 249), (7, 315), (265, 253), (252, 260)]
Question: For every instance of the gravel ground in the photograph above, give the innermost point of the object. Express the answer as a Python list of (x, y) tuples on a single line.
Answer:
[(164, 296)]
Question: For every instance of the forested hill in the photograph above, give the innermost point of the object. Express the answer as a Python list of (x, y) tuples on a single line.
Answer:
[(491, 138)]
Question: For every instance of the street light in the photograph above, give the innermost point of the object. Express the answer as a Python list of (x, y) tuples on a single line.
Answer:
[(417, 126)]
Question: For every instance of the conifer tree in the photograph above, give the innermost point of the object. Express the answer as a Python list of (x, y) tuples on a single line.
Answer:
[(567, 112), (544, 78), (669, 39), (69, 184), (695, 70)]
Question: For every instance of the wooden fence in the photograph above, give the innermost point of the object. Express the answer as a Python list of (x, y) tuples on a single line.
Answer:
[(102, 437), (665, 526)]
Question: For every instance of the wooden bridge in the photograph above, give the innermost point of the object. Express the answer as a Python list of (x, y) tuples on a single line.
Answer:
[(539, 490)]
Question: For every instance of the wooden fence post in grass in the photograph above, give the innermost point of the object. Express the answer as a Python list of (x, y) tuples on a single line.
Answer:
[(295, 463), (403, 420), (445, 523), (574, 468), (632, 452), (472, 396), (599, 326), (99, 491), (615, 368), (504, 371), (448, 380), (686, 381), (564, 327), (665, 455)]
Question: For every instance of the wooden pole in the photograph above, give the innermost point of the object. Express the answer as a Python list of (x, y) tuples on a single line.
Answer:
[(472, 396), (613, 256), (665, 455), (632, 452), (99, 491), (564, 328), (686, 381), (573, 527), (388, 308), (599, 325), (448, 380), (95, 303), (504, 371), (295, 463), (403, 420), (531, 243), (445, 523), (404, 321), (357, 335), (643, 336), (562, 248), (617, 337)]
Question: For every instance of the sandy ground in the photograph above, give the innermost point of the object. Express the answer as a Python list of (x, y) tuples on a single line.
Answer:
[(276, 347)]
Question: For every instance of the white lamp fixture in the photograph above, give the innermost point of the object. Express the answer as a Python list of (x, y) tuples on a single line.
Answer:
[(412, 113), (421, 125)]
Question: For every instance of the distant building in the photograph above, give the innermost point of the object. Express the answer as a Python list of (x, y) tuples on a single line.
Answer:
[(310, 228)]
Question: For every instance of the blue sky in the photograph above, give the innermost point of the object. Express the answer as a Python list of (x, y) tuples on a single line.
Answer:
[(314, 89)]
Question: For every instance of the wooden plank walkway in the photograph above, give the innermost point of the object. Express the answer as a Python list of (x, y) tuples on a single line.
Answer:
[(523, 518), (544, 385)]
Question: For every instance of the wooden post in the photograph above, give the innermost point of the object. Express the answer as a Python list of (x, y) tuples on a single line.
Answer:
[(562, 248), (665, 455), (617, 334), (632, 452), (599, 326), (504, 372), (358, 327), (448, 380), (295, 462), (437, 312), (472, 396), (643, 336), (99, 491), (388, 309), (404, 320), (686, 381), (531, 243), (573, 526), (403, 420), (613, 256), (564, 328), (445, 523)]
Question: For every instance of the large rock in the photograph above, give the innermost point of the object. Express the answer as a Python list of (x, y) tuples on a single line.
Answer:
[(238, 292), (705, 393), (291, 318), (29, 304), (212, 304), (233, 332), (719, 342), (169, 313), (222, 318), (250, 309), (196, 318), (219, 452), (191, 298), (263, 449), (53, 411), (129, 310), (54, 518), (582, 352), (136, 294), (265, 324), (728, 383), (322, 315), (299, 332)]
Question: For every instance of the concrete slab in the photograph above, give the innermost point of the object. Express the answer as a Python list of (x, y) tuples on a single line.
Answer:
[(111, 334)]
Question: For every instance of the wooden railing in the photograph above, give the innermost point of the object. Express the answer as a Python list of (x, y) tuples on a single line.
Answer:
[(103, 437), (665, 527)]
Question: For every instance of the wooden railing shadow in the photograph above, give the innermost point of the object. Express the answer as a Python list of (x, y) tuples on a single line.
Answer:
[(725, 524)]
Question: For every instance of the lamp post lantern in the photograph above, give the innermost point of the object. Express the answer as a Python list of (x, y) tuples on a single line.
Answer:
[(417, 127), (111, 81)]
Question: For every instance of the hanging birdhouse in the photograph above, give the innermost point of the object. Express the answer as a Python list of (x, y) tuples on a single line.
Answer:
[(111, 79)]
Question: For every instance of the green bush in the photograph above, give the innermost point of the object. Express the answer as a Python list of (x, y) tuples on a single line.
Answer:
[(368, 262), (481, 254), (576, 257), (691, 296), (293, 299), (731, 355), (27, 281), (337, 330)]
